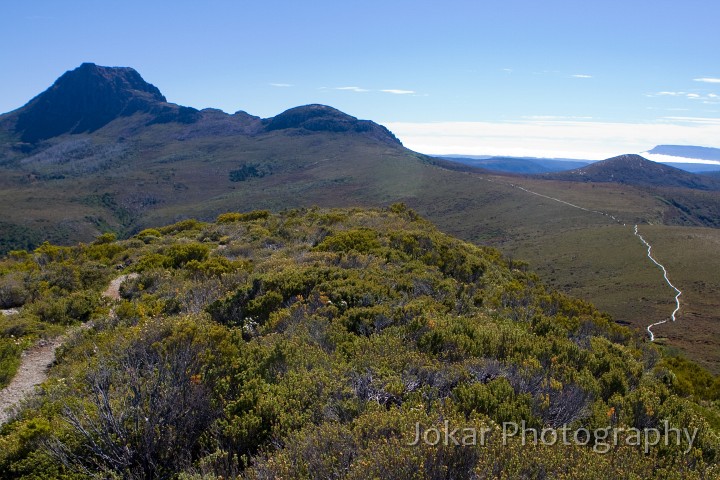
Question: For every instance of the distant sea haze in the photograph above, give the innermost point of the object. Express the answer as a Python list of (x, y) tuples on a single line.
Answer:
[(535, 165), (555, 138)]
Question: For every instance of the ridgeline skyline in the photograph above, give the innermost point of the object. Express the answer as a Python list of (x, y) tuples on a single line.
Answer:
[(518, 78)]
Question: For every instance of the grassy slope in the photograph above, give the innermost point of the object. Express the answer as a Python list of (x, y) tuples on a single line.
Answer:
[(162, 180), (603, 262)]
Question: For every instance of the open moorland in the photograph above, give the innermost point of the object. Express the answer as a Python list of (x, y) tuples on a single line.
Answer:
[(150, 163), (315, 344)]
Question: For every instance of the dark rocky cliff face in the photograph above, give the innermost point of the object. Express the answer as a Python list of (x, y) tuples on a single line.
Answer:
[(91, 96)]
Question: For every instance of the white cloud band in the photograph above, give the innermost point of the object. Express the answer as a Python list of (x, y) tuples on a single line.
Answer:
[(398, 92), (707, 80), (555, 138), (353, 89)]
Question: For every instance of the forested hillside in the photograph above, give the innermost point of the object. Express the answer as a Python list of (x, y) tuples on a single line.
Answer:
[(315, 344)]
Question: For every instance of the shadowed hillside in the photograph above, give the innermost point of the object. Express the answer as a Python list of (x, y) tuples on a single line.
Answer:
[(638, 171)]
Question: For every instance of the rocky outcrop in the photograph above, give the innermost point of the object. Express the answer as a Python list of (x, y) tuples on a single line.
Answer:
[(90, 97)]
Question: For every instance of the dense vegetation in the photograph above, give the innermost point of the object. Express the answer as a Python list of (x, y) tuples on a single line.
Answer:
[(74, 164), (311, 343)]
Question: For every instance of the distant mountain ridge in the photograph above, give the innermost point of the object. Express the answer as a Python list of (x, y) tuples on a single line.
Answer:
[(519, 165), (102, 149), (90, 97), (687, 151), (636, 170), (121, 157)]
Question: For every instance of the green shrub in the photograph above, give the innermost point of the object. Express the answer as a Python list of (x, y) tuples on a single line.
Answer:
[(262, 306), (214, 266), (361, 240), (13, 292), (689, 378), (151, 261), (105, 238), (10, 351), (180, 254), (149, 234), (105, 251), (79, 306), (64, 276), (188, 225), (231, 217)]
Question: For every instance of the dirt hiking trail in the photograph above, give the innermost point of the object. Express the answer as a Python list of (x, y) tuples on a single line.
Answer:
[(36, 360)]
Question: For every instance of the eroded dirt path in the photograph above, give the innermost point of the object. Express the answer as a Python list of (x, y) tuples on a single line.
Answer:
[(36, 361), (113, 290), (32, 371)]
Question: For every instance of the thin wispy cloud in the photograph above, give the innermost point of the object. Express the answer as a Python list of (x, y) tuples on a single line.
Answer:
[(392, 91), (707, 80), (353, 89), (709, 98), (282, 85), (395, 91), (667, 94), (581, 75)]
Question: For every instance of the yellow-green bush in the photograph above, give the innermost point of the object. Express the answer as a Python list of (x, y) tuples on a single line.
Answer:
[(319, 362)]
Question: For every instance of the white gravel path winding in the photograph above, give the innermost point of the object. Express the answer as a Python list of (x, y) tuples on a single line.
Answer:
[(649, 248), (665, 275)]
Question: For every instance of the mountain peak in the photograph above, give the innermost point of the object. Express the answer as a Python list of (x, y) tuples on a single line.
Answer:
[(91, 96), (632, 169), (631, 159), (322, 118), (125, 79), (86, 99), (629, 164)]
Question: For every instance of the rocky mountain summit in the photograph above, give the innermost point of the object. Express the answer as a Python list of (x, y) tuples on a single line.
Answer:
[(88, 98)]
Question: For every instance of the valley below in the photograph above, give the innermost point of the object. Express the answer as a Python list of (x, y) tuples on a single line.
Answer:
[(595, 257), (152, 178)]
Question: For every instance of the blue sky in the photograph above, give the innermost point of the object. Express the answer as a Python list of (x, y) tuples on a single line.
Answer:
[(552, 78)]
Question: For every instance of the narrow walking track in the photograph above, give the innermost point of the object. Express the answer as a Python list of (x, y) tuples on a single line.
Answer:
[(32, 371), (649, 248), (665, 274), (36, 361), (563, 201)]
